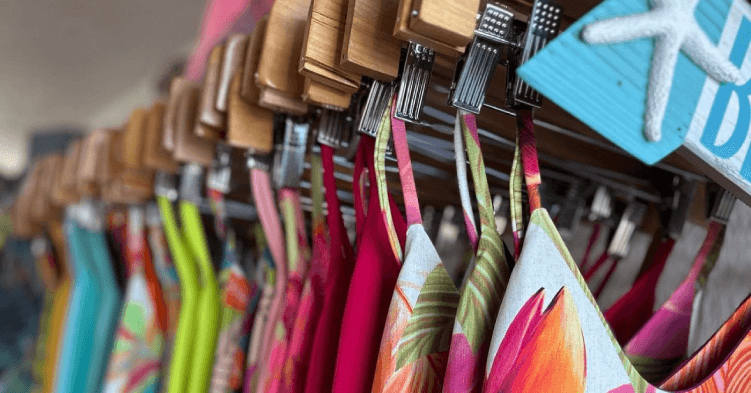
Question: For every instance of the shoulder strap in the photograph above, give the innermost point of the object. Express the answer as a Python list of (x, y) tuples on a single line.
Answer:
[(406, 175), (461, 176), (335, 221), (379, 162)]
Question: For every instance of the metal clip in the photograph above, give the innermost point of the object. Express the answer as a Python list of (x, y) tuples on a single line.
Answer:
[(190, 184), (90, 215), (602, 204), (416, 67), (674, 209), (722, 207), (164, 185), (476, 68), (334, 128), (219, 177), (289, 158), (543, 26), (379, 98), (631, 218), (571, 209), (153, 217)]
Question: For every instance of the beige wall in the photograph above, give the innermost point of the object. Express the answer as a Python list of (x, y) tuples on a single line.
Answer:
[(83, 62)]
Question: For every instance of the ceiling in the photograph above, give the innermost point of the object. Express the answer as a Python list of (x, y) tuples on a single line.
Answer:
[(83, 64)]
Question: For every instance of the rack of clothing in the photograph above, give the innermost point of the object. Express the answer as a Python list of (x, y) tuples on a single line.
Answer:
[(297, 215)]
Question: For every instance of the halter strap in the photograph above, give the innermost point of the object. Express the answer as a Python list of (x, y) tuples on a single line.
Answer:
[(461, 176), (411, 204), (379, 162), (334, 218)]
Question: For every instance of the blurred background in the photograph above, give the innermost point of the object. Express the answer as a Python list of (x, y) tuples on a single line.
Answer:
[(69, 66)]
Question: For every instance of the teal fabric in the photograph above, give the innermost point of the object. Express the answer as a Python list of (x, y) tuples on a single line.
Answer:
[(111, 301), (83, 309)]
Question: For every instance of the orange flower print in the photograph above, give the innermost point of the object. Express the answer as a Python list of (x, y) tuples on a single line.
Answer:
[(543, 351)]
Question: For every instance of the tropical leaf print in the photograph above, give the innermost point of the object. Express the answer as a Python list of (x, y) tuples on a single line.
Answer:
[(431, 323), (482, 294)]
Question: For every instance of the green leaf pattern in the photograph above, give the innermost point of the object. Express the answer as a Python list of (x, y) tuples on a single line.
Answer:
[(430, 325)]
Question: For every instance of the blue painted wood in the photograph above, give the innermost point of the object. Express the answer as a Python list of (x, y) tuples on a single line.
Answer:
[(605, 86)]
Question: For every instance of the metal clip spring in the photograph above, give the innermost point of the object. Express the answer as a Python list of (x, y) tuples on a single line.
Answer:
[(289, 159), (722, 207), (494, 30), (544, 24), (602, 204), (333, 129), (416, 67), (190, 184), (379, 98), (631, 218), (219, 177), (165, 185)]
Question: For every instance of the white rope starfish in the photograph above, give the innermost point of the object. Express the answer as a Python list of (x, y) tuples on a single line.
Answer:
[(672, 24)]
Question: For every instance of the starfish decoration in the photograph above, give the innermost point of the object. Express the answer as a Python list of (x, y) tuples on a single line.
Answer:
[(673, 26)]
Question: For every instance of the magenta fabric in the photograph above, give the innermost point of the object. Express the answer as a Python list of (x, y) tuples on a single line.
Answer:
[(370, 292), (336, 272), (221, 18), (635, 307), (308, 312), (675, 314), (409, 190)]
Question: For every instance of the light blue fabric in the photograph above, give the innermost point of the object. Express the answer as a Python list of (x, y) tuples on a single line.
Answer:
[(80, 325), (111, 301)]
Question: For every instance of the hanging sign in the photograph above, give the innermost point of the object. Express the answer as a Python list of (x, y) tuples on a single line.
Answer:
[(656, 76)]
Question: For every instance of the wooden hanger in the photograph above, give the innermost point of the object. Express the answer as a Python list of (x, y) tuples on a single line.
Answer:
[(321, 49), (43, 210), (24, 226), (66, 192), (446, 26), (277, 74), (91, 149), (155, 156), (170, 113), (369, 47), (325, 96), (188, 146), (226, 60), (211, 121), (250, 126), (136, 178), (123, 178)]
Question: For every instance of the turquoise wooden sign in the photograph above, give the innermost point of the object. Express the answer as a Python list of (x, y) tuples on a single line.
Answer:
[(658, 76)]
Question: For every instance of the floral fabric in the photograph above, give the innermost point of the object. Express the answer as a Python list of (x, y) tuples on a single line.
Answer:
[(298, 258), (417, 333), (562, 342), (484, 288), (237, 291), (136, 359), (311, 301), (260, 320), (171, 289)]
